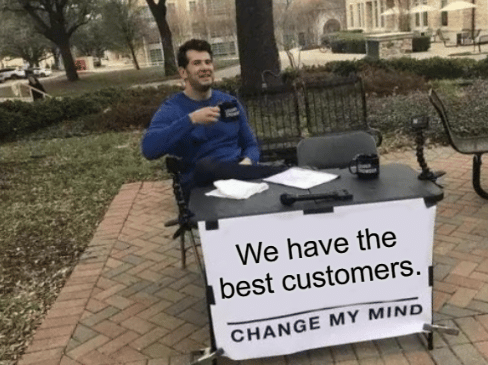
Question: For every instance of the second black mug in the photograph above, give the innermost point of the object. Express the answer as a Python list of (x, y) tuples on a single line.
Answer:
[(365, 166)]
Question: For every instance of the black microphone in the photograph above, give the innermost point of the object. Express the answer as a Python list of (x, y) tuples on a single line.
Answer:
[(289, 199)]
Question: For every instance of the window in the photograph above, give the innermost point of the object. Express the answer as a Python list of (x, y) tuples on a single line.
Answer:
[(224, 48), (417, 19), (156, 56), (216, 7), (444, 13), (220, 28), (375, 12), (192, 5), (359, 15), (198, 29), (351, 16), (382, 10), (289, 40), (171, 8), (425, 15)]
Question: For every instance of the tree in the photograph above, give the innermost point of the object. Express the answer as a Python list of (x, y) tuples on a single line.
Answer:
[(90, 40), (19, 39), (57, 20), (124, 26), (258, 53), (159, 11)]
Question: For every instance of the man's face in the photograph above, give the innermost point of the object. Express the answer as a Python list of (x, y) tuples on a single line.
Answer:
[(199, 72)]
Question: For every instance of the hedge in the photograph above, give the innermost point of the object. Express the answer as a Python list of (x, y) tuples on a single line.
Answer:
[(19, 118), (435, 68), (348, 42), (420, 44), (118, 109)]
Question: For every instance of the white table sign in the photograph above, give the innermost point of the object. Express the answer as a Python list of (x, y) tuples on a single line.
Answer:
[(289, 282)]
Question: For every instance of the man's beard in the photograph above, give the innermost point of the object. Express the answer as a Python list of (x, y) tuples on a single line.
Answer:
[(197, 85)]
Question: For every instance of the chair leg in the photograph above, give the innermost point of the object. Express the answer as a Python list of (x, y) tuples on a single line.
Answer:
[(477, 176)]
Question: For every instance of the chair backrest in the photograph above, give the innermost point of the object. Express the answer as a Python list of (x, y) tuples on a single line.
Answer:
[(441, 111), (443, 36), (274, 115), (335, 105), (334, 150)]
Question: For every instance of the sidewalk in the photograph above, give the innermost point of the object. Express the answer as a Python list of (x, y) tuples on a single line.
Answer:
[(129, 302)]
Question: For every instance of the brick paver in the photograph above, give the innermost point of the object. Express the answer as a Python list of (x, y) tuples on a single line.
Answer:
[(129, 302)]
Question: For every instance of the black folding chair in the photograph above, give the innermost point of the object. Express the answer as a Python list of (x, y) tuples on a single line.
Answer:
[(274, 115), (334, 150), (337, 105), (184, 221)]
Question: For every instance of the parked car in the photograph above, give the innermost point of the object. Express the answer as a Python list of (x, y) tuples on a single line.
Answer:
[(39, 71), (12, 73)]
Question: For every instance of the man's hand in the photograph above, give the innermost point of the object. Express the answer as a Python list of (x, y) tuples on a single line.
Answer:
[(209, 114), (246, 161)]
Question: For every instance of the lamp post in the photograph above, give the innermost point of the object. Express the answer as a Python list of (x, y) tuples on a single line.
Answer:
[(473, 21)]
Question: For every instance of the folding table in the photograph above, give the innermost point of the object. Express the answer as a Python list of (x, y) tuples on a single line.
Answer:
[(323, 272)]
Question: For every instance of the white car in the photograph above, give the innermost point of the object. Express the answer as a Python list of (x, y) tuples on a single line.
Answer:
[(39, 71), (12, 73)]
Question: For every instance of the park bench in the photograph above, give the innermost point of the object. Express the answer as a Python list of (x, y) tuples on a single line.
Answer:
[(445, 39), (475, 146), (282, 116), (482, 40)]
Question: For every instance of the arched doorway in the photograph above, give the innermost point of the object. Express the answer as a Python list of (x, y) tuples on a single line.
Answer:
[(331, 26)]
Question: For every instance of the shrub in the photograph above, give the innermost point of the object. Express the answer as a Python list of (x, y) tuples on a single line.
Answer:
[(383, 82), (420, 44), (435, 68), (29, 117), (348, 42)]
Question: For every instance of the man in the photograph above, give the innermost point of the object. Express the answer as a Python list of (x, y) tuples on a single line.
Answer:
[(190, 125)]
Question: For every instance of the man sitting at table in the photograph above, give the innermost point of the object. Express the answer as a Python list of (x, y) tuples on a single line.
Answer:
[(206, 128)]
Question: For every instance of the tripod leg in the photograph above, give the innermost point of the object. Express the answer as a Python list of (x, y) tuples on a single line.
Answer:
[(183, 249), (195, 250)]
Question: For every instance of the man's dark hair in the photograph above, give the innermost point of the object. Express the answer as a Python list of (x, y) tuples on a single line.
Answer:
[(195, 45)]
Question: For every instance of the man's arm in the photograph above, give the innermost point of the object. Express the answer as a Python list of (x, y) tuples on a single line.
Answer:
[(168, 128)]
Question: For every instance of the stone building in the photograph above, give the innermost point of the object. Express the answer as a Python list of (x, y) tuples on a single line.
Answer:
[(304, 22), (400, 15), (213, 20)]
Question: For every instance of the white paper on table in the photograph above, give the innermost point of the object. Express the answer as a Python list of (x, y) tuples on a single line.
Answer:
[(236, 189), (301, 178)]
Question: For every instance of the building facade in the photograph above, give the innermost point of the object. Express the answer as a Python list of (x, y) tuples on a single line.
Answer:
[(376, 16), (300, 23), (212, 20)]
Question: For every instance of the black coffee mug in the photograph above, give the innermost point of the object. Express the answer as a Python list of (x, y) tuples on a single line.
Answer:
[(365, 166), (229, 111)]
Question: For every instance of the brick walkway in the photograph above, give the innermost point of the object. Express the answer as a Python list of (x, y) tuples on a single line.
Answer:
[(128, 301)]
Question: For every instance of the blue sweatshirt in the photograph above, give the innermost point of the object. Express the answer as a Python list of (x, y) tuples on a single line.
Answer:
[(172, 132)]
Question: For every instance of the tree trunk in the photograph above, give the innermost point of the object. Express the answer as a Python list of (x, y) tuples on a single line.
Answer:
[(68, 61), (258, 53), (159, 13), (168, 50), (134, 58)]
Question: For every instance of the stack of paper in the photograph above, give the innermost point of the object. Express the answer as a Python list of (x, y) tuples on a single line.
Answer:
[(301, 178)]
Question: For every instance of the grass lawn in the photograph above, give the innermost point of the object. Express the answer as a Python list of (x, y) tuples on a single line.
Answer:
[(92, 81), (49, 209)]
